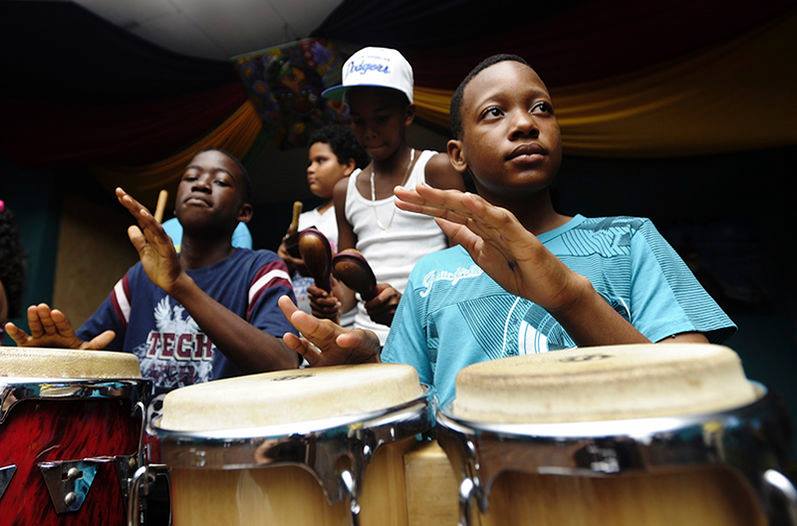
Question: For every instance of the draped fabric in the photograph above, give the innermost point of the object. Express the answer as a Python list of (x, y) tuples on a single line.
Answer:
[(46, 132), (738, 96), (235, 135), (568, 42)]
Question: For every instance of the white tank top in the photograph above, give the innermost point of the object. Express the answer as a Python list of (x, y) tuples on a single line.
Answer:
[(393, 243)]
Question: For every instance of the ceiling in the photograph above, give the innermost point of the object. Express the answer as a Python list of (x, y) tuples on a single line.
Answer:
[(213, 29)]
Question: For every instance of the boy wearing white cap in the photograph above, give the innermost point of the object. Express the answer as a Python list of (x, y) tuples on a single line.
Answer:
[(378, 86)]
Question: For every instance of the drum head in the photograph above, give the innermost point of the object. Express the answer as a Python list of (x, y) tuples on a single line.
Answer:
[(603, 383), (35, 362), (290, 396)]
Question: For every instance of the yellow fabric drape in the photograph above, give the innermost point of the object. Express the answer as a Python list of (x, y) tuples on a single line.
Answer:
[(740, 96), (236, 135)]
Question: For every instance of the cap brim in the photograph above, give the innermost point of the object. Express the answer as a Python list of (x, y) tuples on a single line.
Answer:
[(337, 92)]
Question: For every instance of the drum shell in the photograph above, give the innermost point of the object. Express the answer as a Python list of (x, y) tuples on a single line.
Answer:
[(704, 496), (59, 430), (288, 494)]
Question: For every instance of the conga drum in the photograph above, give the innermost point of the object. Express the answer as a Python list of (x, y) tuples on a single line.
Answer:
[(622, 435), (70, 435), (316, 446)]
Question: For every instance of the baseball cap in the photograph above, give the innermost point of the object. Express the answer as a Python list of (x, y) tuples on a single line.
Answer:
[(379, 67)]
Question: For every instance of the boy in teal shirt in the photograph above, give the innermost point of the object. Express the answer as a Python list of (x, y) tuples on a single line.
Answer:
[(525, 278)]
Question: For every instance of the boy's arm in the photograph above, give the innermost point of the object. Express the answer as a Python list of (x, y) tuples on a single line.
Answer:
[(440, 174), (346, 239), (519, 262), (251, 349)]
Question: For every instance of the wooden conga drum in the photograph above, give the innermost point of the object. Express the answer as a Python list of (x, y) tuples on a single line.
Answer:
[(70, 432), (301, 447), (621, 435)]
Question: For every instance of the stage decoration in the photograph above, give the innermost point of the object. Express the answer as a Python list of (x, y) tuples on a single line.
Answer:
[(235, 135), (285, 83), (738, 96)]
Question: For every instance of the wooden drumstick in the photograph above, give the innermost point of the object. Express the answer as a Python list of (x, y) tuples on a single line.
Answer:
[(291, 239), (297, 210), (161, 206), (317, 255), (350, 267)]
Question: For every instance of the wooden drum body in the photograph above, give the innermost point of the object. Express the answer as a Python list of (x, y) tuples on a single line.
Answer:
[(331, 456), (69, 436), (660, 465)]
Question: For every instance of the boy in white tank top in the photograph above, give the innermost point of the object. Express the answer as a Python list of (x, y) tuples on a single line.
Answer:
[(379, 90)]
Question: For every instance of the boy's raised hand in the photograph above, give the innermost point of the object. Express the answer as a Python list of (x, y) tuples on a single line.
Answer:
[(324, 342), (51, 328), (155, 249), (498, 243)]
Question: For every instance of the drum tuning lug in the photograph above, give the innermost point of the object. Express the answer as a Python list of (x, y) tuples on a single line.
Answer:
[(602, 460), (68, 482), (6, 474)]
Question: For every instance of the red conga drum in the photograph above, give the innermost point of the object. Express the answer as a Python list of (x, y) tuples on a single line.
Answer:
[(70, 433)]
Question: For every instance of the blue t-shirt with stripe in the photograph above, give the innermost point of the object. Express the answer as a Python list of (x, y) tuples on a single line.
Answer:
[(452, 314), (172, 348)]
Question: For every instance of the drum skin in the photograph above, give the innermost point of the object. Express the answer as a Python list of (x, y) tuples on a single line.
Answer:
[(39, 431), (288, 495)]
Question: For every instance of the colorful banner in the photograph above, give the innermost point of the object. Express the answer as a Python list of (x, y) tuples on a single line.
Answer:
[(285, 83)]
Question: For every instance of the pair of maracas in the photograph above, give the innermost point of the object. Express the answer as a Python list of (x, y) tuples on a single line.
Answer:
[(348, 266)]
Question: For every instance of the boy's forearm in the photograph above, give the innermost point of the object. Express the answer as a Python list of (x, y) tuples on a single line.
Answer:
[(251, 349), (590, 320)]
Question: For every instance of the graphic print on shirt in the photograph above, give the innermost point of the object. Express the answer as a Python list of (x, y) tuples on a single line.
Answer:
[(506, 325), (177, 353)]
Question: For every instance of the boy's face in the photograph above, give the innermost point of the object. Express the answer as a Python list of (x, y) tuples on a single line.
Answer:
[(210, 193), (325, 169), (510, 137), (378, 120)]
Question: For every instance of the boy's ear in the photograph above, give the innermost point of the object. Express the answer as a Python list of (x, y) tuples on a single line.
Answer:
[(410, 116), (456, 155), (245, 213)]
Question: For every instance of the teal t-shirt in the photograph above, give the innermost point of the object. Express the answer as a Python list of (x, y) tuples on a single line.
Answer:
[(452, 314)]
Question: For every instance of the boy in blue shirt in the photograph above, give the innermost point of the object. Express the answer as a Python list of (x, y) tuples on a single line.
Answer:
[(525, 278), (208, 312)]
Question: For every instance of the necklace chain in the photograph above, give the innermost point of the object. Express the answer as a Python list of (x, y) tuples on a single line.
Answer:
[(373, 193)]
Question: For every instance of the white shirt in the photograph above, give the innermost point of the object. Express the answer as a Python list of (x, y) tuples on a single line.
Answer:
[(391, 240)]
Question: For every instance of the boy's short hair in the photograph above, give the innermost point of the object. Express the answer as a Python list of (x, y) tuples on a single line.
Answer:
[(241, 169), (455, 110), (343, 144)]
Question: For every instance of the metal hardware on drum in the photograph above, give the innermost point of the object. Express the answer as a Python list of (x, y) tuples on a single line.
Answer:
[(747, 439), (11, 393), (317, 446), (6, 474)]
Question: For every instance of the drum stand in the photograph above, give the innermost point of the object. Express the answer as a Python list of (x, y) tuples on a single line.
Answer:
[(319, 447), (750, 440)]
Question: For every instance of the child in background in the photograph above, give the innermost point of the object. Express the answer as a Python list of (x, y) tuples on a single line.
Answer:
[(333, 154), (378, 87), (526, 279)]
